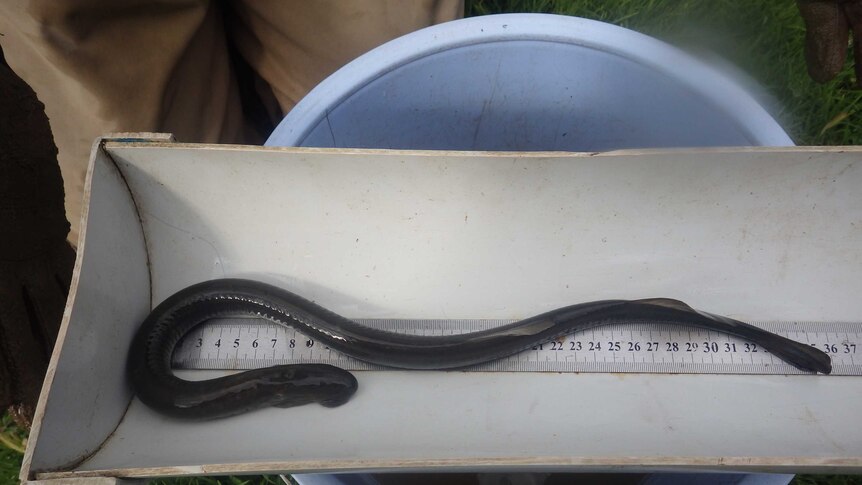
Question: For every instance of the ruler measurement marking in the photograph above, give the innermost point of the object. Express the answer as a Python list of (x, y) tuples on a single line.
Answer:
[(844, 343)]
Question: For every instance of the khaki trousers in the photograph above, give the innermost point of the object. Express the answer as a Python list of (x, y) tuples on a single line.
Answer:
[(206, 71)]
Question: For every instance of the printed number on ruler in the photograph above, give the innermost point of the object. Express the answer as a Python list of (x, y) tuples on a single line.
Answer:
[(247, 343)]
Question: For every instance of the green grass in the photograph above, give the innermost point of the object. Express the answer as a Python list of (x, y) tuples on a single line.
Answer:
[(761, 38), (244, 480), (827, 480), (12, 443), (10, 463)]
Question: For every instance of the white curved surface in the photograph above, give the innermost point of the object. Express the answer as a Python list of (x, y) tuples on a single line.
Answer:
[(757, 234), (612, 63)]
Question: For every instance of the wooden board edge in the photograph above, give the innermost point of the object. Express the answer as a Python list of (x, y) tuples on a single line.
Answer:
[(154, 140), (760, 464), (41, 404)]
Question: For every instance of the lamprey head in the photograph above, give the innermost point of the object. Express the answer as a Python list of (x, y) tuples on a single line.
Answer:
[(299, 384)]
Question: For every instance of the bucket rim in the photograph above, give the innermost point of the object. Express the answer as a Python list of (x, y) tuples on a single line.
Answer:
[(711, 84)]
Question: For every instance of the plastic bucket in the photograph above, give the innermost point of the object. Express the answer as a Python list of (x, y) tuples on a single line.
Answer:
[(527, 82)]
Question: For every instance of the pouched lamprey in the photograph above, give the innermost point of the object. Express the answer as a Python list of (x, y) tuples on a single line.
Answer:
[(149, 365)]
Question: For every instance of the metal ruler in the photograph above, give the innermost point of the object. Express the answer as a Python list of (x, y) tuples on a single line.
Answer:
[(248, 343)]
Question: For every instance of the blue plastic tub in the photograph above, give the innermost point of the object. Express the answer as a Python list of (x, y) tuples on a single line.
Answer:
[(527, 82)]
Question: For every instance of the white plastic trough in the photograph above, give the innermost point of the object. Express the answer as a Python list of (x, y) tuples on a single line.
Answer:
[(753, 233)]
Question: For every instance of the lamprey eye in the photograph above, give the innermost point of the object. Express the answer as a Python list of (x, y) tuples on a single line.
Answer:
[(292, 385)]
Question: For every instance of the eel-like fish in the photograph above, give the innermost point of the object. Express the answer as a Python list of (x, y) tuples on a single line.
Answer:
[(149, 364)]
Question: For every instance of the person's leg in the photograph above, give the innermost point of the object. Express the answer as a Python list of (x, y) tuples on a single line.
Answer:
[(103, 66), (36, 261), (295, 44)]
